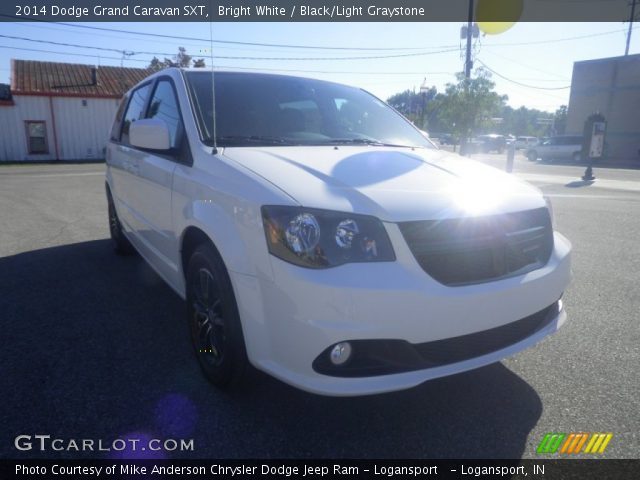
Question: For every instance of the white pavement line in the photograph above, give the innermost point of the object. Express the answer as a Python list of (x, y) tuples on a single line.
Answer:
[(564, 180), (49, 175)]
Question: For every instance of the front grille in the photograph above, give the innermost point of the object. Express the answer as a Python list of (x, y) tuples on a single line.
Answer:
[(463, 251)]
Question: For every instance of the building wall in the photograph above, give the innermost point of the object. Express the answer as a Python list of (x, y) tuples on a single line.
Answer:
[(13, 132), (610, 86), (81, 131)]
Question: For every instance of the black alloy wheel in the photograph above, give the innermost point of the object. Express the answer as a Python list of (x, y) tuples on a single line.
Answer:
[(214, 322)]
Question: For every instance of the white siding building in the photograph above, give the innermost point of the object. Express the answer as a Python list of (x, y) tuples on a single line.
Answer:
[(61, 111)]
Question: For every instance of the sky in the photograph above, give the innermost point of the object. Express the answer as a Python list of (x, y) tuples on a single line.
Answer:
[(533, 62)]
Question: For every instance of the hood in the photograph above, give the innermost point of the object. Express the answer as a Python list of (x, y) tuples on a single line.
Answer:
[(393, 184)]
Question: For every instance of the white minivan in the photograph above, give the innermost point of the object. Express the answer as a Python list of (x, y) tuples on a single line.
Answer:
[(317, 235)]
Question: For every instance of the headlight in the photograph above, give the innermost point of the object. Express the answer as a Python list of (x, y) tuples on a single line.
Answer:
[(315, 238)]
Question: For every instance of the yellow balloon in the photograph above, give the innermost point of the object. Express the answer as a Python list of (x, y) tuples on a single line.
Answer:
[(494, 28), (497, 16)]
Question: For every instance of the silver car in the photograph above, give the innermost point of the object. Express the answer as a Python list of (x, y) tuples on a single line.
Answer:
[(566, 147)]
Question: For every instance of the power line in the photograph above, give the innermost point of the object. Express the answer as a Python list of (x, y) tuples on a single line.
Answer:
[(317, 47), (566, 39), (51, 42), (73, 54), (518, 83), (337, 72), (229, 42), (236, 57)]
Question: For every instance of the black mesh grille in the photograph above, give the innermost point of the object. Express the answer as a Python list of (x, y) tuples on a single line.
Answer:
[(468, 250)]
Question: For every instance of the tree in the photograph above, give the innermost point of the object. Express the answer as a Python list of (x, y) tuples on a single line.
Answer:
[(469, 104), (560, 120), (181, 59), (414, 106)]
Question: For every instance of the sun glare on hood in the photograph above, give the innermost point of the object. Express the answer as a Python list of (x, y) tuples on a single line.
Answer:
[(482, 194)]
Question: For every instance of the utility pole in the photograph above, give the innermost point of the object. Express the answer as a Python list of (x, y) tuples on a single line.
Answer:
[(631, 18), (468, 64)]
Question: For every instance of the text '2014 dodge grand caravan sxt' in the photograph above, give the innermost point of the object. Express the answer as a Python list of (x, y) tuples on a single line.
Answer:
[(317, 235)]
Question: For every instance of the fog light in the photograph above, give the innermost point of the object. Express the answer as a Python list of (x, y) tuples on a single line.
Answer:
[(340, 353)]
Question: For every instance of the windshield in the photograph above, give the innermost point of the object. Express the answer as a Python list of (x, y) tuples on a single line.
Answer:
[(261, 109)]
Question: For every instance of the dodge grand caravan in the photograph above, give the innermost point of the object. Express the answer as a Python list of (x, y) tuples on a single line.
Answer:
[(317, 235)]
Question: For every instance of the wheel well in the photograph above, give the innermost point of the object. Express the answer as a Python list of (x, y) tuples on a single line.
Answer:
[(192, 237)]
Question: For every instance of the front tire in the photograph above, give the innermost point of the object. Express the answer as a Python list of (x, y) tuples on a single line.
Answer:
[(214, 322), (532, 155)]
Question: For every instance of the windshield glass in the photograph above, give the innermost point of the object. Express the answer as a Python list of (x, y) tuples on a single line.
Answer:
[(261, 109)]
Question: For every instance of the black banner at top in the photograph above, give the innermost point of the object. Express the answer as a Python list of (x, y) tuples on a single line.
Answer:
[(314, 10)]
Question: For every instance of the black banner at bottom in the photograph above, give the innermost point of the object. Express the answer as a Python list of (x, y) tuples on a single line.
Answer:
[(586, 469)]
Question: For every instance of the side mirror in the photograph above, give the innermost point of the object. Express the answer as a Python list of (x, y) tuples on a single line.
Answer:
[(150, 133)]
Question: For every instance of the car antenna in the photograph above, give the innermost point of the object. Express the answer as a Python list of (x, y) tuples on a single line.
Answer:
[(214, 151)]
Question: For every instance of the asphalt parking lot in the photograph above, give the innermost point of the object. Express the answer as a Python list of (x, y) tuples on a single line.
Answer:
[(96, 346)]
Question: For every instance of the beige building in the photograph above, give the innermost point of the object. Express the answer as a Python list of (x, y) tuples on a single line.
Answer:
[(610, 86)]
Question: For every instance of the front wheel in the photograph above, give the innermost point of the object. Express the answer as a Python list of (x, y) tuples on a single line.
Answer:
[(213, 319), (532, 156)]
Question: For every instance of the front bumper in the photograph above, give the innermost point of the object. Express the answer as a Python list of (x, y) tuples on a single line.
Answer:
[(294, 317)]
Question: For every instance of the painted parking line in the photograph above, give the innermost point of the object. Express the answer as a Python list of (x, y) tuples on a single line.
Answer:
[(52, 175)]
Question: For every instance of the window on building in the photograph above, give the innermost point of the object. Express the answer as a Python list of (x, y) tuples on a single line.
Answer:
[(164, 106), (37, 137), (135, 110)]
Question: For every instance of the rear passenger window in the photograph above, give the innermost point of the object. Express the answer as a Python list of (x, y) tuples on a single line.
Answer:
[(134, 110)]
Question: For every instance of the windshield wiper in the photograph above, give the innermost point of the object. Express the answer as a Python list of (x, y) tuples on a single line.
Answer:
[(363, 141), (253, 139)]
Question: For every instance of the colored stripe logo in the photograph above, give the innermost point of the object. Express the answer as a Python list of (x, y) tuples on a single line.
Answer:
[(573, 443)]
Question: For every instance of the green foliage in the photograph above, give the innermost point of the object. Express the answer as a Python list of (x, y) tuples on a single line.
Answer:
[(414, 106), (181, 59), (469, 105), (561, 120), (472, 107)]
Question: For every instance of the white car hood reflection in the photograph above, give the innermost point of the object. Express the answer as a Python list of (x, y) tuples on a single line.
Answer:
[(393, 184)]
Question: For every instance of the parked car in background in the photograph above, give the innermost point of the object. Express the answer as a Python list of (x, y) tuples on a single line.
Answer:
[(444, 138), (491, 143), (565, 147), (526, 142), (317, 235)]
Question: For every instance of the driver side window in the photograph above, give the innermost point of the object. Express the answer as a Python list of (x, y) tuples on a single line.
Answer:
[(164, 105)]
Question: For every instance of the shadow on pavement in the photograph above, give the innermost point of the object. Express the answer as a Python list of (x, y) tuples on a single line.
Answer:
[(580, 183), (96, 346)]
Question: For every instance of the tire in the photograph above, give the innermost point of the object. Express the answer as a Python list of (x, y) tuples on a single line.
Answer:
[(120, 242), (214, 322), (532, 155)]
